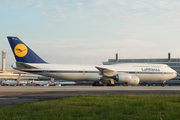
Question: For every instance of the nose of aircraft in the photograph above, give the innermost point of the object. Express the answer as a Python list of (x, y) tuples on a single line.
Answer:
[(175, 73)]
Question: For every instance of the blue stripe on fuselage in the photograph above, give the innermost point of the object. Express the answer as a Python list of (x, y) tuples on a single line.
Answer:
[(66, 71)]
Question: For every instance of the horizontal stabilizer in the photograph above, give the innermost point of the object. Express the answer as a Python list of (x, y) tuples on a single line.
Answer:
[(21, 65)]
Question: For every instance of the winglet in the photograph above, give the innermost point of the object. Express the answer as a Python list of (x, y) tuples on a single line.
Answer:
[(22, 52)]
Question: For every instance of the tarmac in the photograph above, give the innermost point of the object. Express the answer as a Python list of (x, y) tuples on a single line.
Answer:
[(13, 95)]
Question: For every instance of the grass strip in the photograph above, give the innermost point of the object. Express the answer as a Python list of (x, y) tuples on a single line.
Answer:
[(108, 107)]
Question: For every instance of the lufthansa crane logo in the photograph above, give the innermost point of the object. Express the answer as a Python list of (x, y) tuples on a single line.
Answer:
[(20, 50)]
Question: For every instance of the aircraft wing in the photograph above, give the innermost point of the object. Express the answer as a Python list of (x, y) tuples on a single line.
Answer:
[(106, 71)]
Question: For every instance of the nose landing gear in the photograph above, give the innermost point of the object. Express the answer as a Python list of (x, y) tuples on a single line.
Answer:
[(163, 83)]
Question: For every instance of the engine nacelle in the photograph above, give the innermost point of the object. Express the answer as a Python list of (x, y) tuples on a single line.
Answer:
[(134, 81), (123, 77), (127, 78)]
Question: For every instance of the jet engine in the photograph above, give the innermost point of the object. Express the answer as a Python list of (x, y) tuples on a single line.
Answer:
[(127, 78), (134, 81), (123, 77)]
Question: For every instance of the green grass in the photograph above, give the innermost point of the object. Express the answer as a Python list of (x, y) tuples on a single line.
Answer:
[(109, 107)]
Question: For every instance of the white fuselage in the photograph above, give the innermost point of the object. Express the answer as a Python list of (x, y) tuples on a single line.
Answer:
[(9, 83), (41, 83), (144, 71)]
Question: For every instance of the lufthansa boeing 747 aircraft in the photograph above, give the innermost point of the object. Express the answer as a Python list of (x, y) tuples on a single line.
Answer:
[(129, 73)]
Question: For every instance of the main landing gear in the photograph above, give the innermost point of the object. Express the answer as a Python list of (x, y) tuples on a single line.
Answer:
[(97, 84), (111, 83), (163, 84)]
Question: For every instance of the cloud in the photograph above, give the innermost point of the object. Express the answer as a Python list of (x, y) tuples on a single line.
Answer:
[(112, 10), (39, 5), (97, 28), (79, 3), (123, 11)]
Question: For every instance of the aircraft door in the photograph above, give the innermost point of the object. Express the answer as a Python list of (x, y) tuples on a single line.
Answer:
[(48, 72), (84, 72), (162, 71)]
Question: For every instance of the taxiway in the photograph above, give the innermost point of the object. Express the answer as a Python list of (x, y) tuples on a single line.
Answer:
[(88, 88)]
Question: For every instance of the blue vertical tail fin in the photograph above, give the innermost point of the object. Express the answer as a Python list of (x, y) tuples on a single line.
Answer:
[(22, 52)]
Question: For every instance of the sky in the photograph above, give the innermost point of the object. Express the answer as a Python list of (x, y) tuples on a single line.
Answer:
[(92, 31)]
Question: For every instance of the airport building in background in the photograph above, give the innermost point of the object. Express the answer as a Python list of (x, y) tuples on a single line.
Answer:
[(12, 74), (174, 63)]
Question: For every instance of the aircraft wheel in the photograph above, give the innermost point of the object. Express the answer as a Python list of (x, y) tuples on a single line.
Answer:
[(58, 85), (100, 84), (94, 84), (110, 84), (97, 84)]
